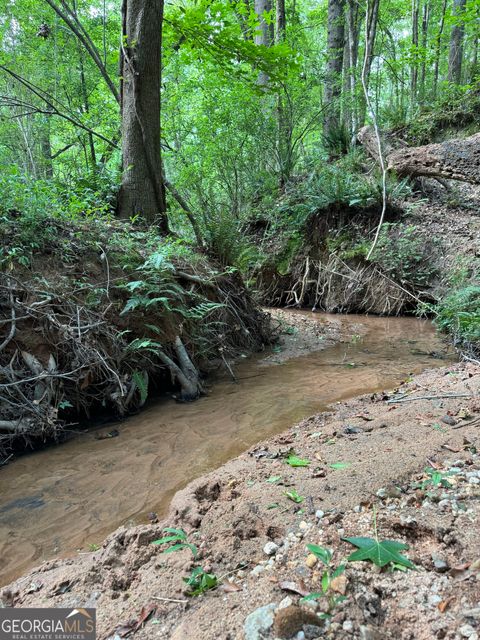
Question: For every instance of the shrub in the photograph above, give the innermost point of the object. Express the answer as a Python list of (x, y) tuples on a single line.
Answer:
[(459, 314)]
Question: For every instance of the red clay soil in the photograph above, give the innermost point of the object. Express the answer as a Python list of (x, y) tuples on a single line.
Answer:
[(253, 537)]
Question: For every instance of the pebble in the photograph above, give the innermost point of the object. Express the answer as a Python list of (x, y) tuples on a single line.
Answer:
[(270, 548), (256, 571), (311, 560), (434, 600), (474, 480), (381, 493), (348, 626), (304, 526), (286, 602), (440, 564), (467, 631), (300, 636), (319, 514), (259, 621)]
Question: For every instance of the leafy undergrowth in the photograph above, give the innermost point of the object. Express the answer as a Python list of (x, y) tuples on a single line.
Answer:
[(101, 313)]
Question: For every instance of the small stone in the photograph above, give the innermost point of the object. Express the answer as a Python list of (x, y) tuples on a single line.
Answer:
[(434, 600), (444, 504), (440, 564), (286, 602), (348, 626), (357, 508), (256, 571), (474, 480), (367, 632), (448, 420), (270, 548), (259, 621), (300, 636), (466, 631), (381, 493), (319, 514), (311, 560), (304, 526)]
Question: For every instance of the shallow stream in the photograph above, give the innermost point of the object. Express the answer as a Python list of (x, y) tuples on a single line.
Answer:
[(69, 497)]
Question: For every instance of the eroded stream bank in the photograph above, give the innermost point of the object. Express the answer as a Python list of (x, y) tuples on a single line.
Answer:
[(61, 499)]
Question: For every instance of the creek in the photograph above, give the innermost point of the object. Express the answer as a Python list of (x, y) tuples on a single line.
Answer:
[(66, 498)]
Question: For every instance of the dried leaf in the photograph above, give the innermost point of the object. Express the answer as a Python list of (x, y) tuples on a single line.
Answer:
[(145, 613), (230, 587), (443, 605)]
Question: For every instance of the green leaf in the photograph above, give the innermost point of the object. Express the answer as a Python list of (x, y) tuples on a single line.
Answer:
[(325, 581), (379, 552), (178, 532), (325, 555), (339, 465), (295, 461), (311, 596), (274, 479), (294, 496)]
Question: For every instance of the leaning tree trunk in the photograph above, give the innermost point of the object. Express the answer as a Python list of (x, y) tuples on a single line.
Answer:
[(455, 56), (142, 191), (333, 81), (451, 160)]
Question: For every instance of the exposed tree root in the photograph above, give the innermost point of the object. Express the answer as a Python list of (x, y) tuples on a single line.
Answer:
[(60, 358), (330, 284)]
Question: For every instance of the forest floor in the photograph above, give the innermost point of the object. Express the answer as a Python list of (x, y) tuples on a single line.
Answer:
[(368, 455)]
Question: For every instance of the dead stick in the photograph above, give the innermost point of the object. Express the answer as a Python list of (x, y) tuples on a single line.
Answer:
[(467, 424), (444, 396)]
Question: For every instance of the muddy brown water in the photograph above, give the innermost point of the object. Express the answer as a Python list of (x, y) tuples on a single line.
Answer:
[(66, 498)]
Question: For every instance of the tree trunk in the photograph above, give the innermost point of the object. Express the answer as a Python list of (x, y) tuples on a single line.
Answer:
[(438, 49), (371, 33), (451, 160), (455, 56), (333, 81), (425, 26), (142, 191), (350, 64), (265, 33), (414, 65)]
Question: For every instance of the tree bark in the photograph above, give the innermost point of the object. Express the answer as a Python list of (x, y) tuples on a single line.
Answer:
[(452, 160), (455, 56), (265, 34), (438, 49), (142, 191), (333, 81), (371, 33)]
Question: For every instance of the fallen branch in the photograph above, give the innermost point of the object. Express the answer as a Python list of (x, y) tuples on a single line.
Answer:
[(440, 397)]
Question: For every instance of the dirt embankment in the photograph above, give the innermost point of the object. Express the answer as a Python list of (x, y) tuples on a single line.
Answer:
[(367, 462)]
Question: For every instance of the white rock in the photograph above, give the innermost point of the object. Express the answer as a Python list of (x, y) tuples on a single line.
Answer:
[(319, 514), (256, 571), (286, 602), (466, 631), (304, 526), (348, 626), (270, 548)]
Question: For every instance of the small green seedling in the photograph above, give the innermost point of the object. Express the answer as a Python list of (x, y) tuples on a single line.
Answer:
[(294, 496), (295, 461), (177, 539), (435, 479), (93, 547), (380, 552), (200, 581), (329, 574)]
